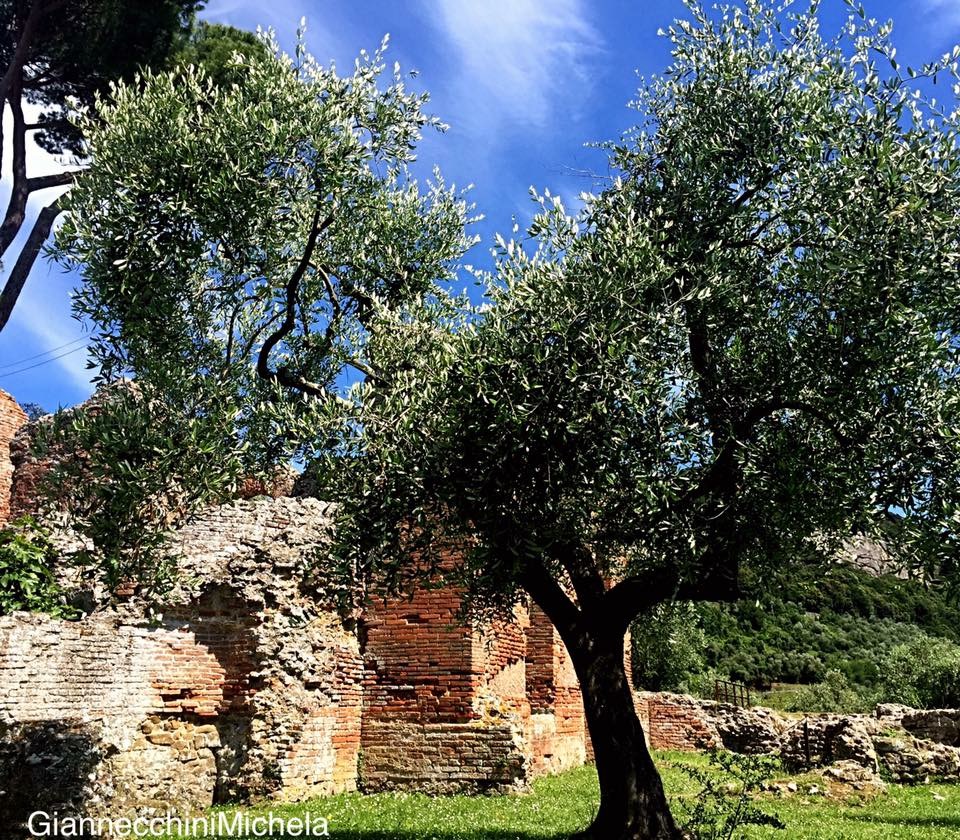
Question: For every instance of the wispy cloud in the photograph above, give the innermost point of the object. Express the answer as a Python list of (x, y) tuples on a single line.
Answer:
[(942, 13), (516, 61)]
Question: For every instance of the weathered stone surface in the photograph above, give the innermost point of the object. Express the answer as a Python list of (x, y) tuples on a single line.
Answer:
[(676, 722), (825, 739), (12, 419), (752, 731), (909, 760), (245, 684), (897, 743), (939, 725), (681, 722), (892, 713), (854, 775)]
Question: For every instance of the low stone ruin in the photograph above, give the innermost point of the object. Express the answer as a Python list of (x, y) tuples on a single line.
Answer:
[(895, 743)]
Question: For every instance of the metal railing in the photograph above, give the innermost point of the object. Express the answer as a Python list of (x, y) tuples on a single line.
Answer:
[(733, 693)]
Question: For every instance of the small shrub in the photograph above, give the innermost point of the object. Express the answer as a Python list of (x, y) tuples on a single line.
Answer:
[(834, 694), (725, 803), (26, 581)]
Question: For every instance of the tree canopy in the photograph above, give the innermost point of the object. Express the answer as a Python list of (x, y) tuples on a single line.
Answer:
[(62, 54), (239, 245), (743, 348)]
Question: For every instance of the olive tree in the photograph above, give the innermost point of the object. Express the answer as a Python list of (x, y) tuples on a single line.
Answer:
[(742, 350), (238, 244)]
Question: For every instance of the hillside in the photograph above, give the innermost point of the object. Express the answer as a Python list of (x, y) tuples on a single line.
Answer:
[(846, 620)]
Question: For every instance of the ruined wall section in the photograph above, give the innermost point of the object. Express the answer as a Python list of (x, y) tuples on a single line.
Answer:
[(257, 647), (245, 684), (676, 722), (107, 688), (442, 711), (292, 704), (557, 732), (12, 419)]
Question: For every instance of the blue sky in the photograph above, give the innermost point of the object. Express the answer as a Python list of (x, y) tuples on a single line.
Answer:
[(524, 85)]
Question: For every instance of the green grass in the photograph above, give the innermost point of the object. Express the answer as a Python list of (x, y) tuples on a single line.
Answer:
[(560, 805)]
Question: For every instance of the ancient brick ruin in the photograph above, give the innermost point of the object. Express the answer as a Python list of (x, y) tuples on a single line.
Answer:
[(249, 683), (12, 419)]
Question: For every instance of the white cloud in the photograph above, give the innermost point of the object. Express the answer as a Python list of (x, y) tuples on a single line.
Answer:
[(517, 61), (942, 13)]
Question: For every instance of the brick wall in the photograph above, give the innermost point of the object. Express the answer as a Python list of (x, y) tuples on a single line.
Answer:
[(12, 418), (557, 730), (675, 722), (680, 722), (453, 708), (242, 686), (443, 703), (110, 685)]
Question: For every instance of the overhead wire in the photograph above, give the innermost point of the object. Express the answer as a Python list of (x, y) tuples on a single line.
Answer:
[(5, 374), (19, 362)]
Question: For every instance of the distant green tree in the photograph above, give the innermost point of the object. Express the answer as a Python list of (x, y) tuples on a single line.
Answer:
[(668, 647), (212, 47), (53, 52), (833, 694), (924, 674)]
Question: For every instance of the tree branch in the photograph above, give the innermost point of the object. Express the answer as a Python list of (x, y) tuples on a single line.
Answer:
[(714, 579), (19, 57), (17, 205), (550, 597), (580, 566), (21, 269), (716, 476), (57, 179), (283, 375)]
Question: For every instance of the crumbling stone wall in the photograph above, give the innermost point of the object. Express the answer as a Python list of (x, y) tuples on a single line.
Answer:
[(102, 686), (12, 419), (898, 743), (246, 684), (250, 675), (939, 725), (818, 740)]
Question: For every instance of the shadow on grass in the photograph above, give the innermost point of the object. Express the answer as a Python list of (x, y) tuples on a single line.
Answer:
[(918, 822), (479, 834)]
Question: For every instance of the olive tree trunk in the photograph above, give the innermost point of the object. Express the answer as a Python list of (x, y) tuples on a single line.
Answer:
[(633, 805)]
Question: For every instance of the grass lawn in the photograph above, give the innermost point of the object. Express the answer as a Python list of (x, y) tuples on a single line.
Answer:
[(562, 804)]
